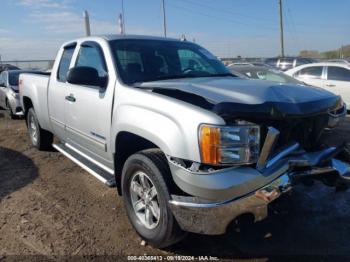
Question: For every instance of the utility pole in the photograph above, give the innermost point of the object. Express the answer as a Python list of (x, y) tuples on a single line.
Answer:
[(341, 53), (123, 15), (121, 24), (87, 23), (164, 18), (281, 28)]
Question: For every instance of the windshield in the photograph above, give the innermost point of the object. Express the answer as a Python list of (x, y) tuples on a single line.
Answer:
[(151, 60)]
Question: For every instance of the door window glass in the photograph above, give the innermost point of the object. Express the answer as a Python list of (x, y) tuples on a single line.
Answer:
[(312, 72), (64, 64), (90, 56), (338, 73)]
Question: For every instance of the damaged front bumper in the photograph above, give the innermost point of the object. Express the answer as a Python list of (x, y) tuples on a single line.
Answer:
[(221, 196)]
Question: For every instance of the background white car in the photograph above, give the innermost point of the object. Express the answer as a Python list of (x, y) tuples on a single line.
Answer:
[(334, 77)]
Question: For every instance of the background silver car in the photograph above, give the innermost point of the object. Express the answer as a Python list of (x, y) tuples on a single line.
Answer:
[(263, 73), (9, 97)]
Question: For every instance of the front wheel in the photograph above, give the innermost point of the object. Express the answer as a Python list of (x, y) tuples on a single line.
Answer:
[(146, 180), (39, 137)]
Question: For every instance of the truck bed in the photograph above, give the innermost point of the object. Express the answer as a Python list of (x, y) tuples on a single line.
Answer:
[(34, 86)]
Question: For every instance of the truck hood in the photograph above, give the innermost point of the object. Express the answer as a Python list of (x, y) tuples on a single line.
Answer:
[(236, 96)]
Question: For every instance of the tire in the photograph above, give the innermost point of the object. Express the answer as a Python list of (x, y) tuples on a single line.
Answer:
[(10, 114), (39, 137), (153, 164)]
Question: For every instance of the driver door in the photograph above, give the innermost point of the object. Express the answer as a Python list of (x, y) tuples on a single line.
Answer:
[(88, 118)]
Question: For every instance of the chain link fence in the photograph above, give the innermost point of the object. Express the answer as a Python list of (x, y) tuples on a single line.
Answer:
[(31, 64)]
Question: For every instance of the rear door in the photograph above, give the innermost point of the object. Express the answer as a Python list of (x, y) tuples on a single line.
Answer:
[(58, 90), (338, 82), (89, 116)]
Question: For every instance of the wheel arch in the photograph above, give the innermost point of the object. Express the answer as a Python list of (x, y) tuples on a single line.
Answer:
[(127, 144), (27, 104)]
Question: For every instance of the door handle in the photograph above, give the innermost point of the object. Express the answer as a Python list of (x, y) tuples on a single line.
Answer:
[(71, 98), (330, 85)]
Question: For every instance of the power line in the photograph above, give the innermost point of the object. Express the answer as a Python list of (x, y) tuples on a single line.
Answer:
[(213, 8), (293, 27), (236, 22)]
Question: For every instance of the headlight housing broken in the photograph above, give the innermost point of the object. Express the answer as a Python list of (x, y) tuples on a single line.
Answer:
[(229, 145)]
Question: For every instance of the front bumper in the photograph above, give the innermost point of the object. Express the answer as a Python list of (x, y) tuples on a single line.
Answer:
[(212, 218), (250, 192)]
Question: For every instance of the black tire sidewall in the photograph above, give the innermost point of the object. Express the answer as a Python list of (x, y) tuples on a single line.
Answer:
[(140, 162)]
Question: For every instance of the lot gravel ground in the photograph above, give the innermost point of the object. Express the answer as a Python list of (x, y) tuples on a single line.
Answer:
[(52, 209)]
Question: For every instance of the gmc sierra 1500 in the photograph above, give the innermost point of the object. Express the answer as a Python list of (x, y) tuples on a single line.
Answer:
[(190, 146)]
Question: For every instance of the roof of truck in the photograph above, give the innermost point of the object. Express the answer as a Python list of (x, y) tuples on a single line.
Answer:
[(140, 37), (112, 37)]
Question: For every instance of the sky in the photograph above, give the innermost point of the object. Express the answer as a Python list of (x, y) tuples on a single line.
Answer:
[(35, 29)]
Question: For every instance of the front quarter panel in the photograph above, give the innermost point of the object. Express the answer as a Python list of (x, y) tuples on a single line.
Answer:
[(170, 124)]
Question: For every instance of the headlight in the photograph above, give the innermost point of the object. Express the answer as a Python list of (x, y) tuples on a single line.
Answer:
[(338, 114), (233, 145)]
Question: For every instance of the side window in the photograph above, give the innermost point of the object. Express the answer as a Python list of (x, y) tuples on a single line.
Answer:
[(286, 61), (271, 61), (312, 72), (91, 56), (338, 73), (2, 79), (64, 63)]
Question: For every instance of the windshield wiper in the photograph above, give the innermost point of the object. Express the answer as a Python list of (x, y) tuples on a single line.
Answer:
[(171, 77), (223, 74)]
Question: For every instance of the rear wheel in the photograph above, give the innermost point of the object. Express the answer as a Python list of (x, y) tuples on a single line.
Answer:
[(39, 137), (145, 183)]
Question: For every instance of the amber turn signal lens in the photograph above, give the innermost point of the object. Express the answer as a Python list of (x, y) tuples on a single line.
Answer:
[(209, 142)]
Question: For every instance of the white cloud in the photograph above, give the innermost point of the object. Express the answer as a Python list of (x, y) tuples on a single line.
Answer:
[(3, 31), (57, 25), (12, 48), (38, 4), (68, 23)]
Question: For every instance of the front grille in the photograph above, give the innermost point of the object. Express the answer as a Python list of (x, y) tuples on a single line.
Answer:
[(305, 131)]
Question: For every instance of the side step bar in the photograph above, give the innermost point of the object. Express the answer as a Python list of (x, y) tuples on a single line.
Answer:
[(99, 173)]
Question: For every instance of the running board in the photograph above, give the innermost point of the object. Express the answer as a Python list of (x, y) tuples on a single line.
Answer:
[(102, 175)]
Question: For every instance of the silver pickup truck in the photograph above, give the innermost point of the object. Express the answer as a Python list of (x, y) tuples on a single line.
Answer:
[(188, 145)]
